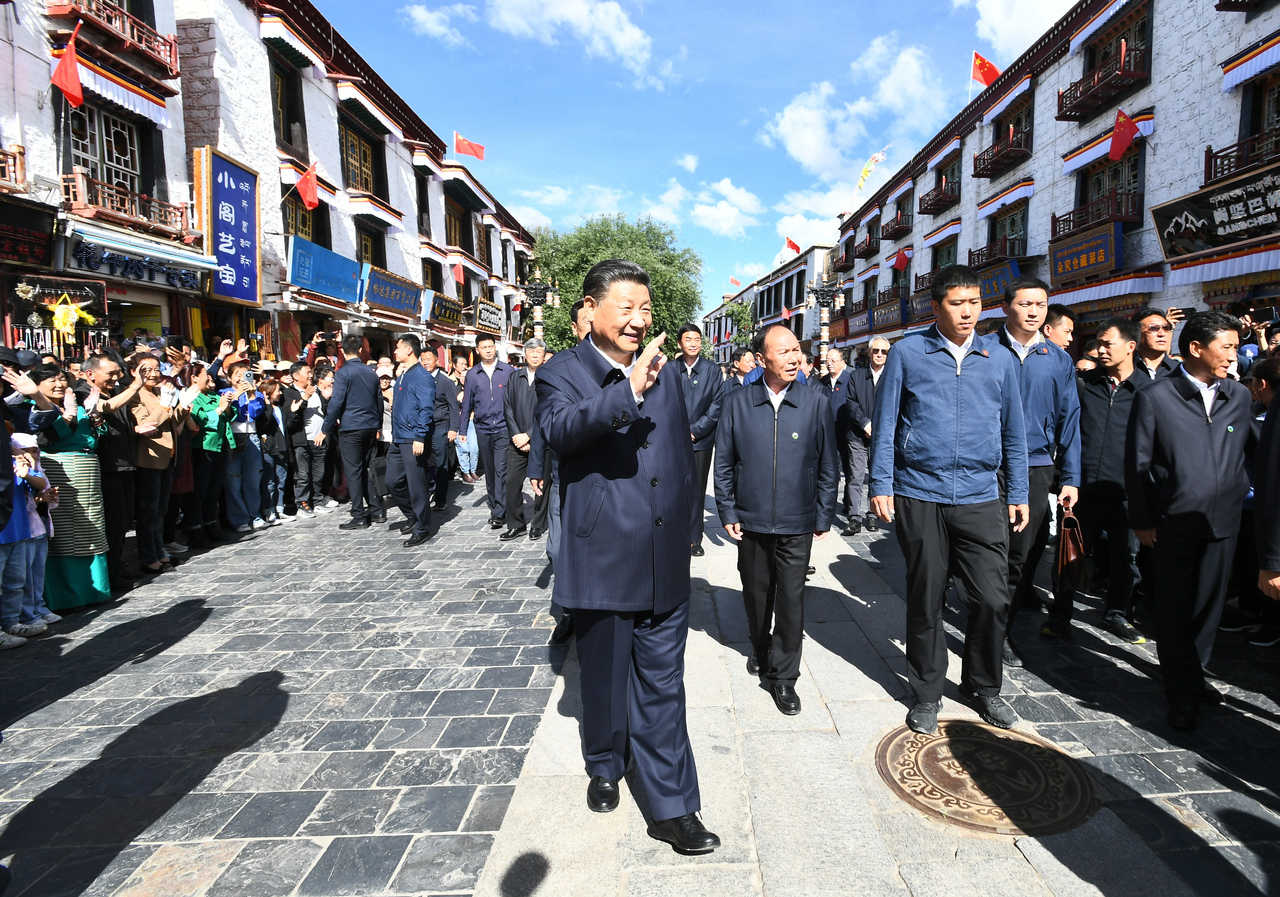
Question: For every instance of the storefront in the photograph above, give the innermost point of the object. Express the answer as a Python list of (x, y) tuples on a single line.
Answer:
[(324, 293), (394, 303), (26, 249)]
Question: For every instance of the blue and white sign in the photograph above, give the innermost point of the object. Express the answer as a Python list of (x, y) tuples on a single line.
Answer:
[(319, 270), (233, 232)]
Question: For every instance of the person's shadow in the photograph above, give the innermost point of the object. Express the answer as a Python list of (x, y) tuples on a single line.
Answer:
[(96, 812)]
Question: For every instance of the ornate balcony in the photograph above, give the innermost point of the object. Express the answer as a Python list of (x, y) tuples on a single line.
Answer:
[(1106, 82), (13, 169), (1252, 152), (1010, 150), (897, 227), (1113, 206), (845, 260), (867, 248), (1001, 250), (895, 293), (90, 198), (128, 33), (939, 199), (925, 281)]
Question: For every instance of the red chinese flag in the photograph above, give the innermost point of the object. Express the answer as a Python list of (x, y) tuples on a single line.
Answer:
[(735, 282), (464, 147), (983, 71), (901, 260), (457, 273), (66, 77), (1122, 135), (786, 313), (309, 188), (793, 245)]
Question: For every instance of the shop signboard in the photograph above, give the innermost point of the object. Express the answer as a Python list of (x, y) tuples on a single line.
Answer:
[(887, 316), (389, 291), (227, 197), (839, 328), (993, 280), (54, 313), (26, 232), (87, 255), (921, 307), (1099, 250), (446, 310), (858, 323), (488, 316), (319, 270), (1241, 210)]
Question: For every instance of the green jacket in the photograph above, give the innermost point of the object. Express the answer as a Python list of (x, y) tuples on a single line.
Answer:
[(215, 429)]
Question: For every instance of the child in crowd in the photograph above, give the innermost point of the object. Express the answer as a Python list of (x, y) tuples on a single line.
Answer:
[(38, 506)]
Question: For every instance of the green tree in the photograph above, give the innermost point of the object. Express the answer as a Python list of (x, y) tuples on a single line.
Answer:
[(675, 271), (744, 322)]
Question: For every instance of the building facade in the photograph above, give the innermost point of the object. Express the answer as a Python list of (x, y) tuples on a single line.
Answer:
[(782, 295)]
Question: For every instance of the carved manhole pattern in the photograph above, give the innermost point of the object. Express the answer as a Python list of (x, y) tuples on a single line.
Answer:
[(992, 780)]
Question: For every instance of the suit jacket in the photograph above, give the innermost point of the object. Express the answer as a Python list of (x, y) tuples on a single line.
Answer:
[(295, 428), (413, 406), (703, 393), (838, 393), (447, 402), (626, 475), (357, 401), (1266, 490), (860, 403), (519, 404), (1184, 469)]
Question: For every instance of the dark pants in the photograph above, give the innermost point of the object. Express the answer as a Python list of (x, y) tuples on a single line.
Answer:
[(1105, 513), (773, 569), (633, 703), (1244, 574), (1190, 584), (356, 448), (409, 484), (208, 474), (117, 506), (1027, 547), (151, 489), (854, 474), (972, 540), (701, 460), (308, 482), (379, 479), (517, 472), (442, 464), (493, 456)]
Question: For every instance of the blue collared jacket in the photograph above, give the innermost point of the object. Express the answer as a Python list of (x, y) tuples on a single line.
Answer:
[(483, 395), (413, 406), (942, 430), (1050, 405)]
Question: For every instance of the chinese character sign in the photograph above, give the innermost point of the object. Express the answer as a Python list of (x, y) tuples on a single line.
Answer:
[(233, 230), (1240, 210)]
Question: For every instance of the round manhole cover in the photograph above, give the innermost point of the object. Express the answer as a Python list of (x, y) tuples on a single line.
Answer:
[(992, 780)]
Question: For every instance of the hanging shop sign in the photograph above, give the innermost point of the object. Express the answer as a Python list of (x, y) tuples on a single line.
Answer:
[(886, 316), (389, 291), (52, 313), (839, 328), (87, 255), (446, 310), (26, 232), (1099, 250), (921, 307), (227, 197), (319, 270), (858, 323), (993, 280), (1241, 210), (488, 316)]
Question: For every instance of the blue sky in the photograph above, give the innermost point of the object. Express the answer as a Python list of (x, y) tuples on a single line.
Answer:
[(738, 123)]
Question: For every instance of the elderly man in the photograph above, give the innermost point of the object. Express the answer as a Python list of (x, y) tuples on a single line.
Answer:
[(1156, 339), (619, 426), (777, 475), (703, 393), (861, 404), (518, 407)]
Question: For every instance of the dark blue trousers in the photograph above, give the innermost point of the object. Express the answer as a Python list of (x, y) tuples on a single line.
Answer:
[(633, 703), (409, 485)]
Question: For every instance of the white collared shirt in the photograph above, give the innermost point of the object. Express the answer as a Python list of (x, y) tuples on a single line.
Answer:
[(1208, 391), (1024, 351), (957, 352), (875, 375), (625, 368), (530, 373), (489, 368), (775, 398)]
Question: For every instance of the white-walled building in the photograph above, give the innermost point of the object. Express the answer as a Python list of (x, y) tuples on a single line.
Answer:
[(719, 327), (782, 295), (1020, 182)]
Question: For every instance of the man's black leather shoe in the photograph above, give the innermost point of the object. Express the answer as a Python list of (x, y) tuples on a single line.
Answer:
[(1010, 659), (415, 540), (602, 795), (495, 523), (686, 834), (535, 534), (510, 534), (1184, 716), (697, 551), (786, 699), (380, 518), (854, 527), (437, 505), (872, 523), (563, 631), (355, 523), (753, 664)]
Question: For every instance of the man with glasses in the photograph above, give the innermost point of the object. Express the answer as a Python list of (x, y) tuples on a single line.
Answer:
[(1156, 338), (861, 402)]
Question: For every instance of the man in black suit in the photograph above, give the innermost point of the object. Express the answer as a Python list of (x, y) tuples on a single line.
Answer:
[(861, 404), (518, 406), (837, 388), (777, 476), (444, 431), (626, 461), (703, 390), (413, 408), (355, 412), (1185, 477), (742, 362), (1266, 502), (1154, 343)]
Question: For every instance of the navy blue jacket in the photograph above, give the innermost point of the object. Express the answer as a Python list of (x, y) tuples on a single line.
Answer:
[(357, 401), (1184, 469), (413, 406), (703, 392), (1266, 490), (777, 472), (447, 404), (483, 395), (626, 497), (1104, 423), (941, 430), (838, 393), (861, 403), (1050, 405)]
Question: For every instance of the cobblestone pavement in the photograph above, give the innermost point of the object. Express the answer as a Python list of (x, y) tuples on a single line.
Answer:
[(305, 712)]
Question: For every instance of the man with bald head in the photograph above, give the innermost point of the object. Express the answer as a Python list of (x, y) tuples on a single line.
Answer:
[(860, 402)]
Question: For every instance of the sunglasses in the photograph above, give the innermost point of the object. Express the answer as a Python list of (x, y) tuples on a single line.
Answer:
[(879, 351), (1158, 328)]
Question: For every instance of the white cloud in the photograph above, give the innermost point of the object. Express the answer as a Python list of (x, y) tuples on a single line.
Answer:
[(600, 200), (1011, 26), (548, 196), (750, 272), (723, 218), (688, 162), (667, 208), (603, 27), (530, 217), (823, 203), (744, 199), (808, 231), (435, 22)]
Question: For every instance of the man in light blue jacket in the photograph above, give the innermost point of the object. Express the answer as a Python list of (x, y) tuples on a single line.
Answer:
[(948, 418)]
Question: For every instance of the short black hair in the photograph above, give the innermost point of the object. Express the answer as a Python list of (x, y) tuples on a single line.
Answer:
[(485, 338), (604, 275), (950, 278), (739, 353), (573, 312), (1128, 328), (1148, 312), (1267, 370), (411, 340), (1058, 311), (1025, 282), (297, 366), (1203, 327), (352, 344), (757, 341), (688, 328)]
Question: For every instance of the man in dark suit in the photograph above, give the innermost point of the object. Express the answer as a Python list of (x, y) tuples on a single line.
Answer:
[(355, 412), (1185, 478), (1266, 502), (1155, 341), (444, 430), (837, 384), (626, 466), (413, 407), (861, 404), (483, 392), (742, 363), (777, 476), (703, 390), (518, 408)]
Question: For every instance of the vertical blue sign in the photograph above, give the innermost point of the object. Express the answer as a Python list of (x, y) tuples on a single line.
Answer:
[(233, 230)]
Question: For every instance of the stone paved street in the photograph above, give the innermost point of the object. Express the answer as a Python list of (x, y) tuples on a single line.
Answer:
[(315, 713)]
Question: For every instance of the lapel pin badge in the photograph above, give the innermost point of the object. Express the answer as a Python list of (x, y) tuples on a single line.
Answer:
[(795, 435)]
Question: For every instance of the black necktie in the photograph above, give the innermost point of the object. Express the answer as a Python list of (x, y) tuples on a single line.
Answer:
[(615, 375)]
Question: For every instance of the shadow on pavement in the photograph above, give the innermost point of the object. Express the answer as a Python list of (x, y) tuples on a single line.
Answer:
[(525, 875)]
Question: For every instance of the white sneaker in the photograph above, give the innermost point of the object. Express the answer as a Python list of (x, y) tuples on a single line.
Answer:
[(244, 528), (285, 518), (26, 630), (175, 547), (260, 524), (331, 504), (11, 641), (52, 618)]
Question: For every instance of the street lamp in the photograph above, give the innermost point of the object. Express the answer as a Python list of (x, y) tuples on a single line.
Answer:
[(539, 293), (825, 295)]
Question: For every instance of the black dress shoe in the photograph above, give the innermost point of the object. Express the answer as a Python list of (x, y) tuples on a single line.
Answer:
[(753, 664), (415, 540), (535, 534), (785, 697), (810, 571), (686, 834), (496, 523), (563, 631), (437, 505), (355, 523), (510, 534), (871, 523), (602, 795), (854, 527), (1006, 654), (1212, 695), (1184, 716), (380, 518), (697, 551)]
